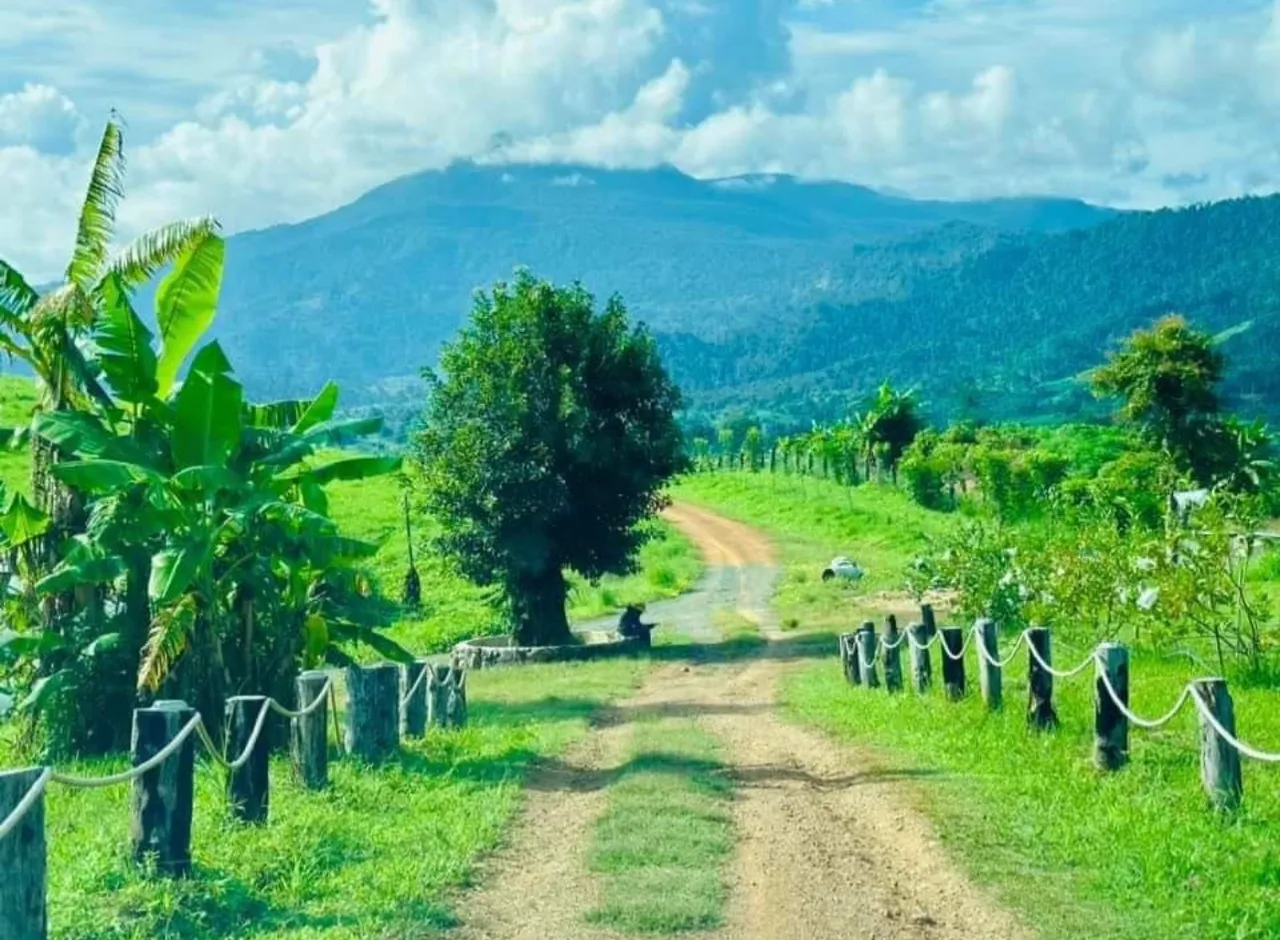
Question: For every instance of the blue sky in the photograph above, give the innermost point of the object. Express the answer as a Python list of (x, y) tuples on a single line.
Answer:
[(262, 111)]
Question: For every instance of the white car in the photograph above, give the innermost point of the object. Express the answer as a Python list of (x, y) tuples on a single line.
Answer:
[(842, 568)]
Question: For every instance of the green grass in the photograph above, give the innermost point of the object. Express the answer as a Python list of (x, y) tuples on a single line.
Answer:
[(453, 608), (811, 521), (662, 844), (17, 399), (1080, 854), (374, 856)]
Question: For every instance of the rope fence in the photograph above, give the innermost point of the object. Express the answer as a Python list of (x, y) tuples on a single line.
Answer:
[(378, 717), (862, 651)]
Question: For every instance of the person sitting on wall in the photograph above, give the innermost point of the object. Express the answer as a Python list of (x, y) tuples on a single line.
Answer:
[(630, 626)]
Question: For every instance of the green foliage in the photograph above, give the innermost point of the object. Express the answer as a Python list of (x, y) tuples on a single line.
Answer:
[(549, 436)]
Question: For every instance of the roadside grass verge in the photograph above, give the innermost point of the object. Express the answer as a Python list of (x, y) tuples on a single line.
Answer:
[(1080, 854), (661, 846), (811, 521), (376, 855)]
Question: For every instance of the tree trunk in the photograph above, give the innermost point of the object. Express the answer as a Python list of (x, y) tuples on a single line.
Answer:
[(538, 603)]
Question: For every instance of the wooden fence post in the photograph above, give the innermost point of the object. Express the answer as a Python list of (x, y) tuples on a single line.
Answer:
[(1219, 760), (990, 679), (24, 861), (921, 662), (1040, 713), (929, 621), (952, 669), (849, 658), (892, 654), (373, 711), (162, 801), (1110, 726), (248, 788), (446, 697), (413, 693), (866, 641), (309, 741)]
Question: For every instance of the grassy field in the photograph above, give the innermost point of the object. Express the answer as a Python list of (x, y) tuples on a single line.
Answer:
[(375, 856), (662, 843), (1081, 855), (17, 398)]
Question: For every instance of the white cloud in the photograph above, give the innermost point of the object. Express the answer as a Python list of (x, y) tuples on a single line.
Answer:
[(299, 106)]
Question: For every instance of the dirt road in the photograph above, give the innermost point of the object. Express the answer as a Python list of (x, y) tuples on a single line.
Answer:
[(829, 848)]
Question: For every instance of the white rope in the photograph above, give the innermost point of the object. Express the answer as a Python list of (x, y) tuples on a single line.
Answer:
[(1062, 673), (984, 653), (1149, 723), (302, 712), (126, 775), (1209, 716), (258, 725), (29, 800), (414, 688), (946, 650), (924, 646), (902, 636)]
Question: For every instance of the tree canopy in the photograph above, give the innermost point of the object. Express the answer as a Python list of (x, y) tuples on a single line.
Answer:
[(550, 434)]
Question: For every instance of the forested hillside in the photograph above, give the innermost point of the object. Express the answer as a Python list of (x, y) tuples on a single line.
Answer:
[(369, 292), (998, 327)]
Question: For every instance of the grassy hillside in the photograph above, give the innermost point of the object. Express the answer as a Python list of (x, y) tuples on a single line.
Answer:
[(1080, 855)]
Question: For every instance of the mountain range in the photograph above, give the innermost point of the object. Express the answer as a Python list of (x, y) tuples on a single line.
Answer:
[(787, 298)]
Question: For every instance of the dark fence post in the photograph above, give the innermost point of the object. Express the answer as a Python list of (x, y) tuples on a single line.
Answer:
[(446, 697), (1219, 760), (163, 799), (309, 741), (990, 679), (413, 691), (866, 643), (1040, 713), (24, 859), (1110, 726), (921, 662), (248, 787), (373, 711), (892, 654), (849, 658), (953, 680)]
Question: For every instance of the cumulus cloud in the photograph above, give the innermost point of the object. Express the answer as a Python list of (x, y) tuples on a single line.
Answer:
[(954, 98)]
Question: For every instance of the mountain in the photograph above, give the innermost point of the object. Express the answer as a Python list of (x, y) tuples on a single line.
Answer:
[(1000, 326), (366, 294)]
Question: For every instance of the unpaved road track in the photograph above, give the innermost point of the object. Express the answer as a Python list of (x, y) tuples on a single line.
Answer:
[(829, 846)]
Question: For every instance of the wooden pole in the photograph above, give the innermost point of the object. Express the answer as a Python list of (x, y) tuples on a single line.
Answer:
[(1219, 760), (457, 704), (248, 788), (1040, 713), (309, 738), (413, 710), (929, 621), (24, 861), (373, 711), (1110, 726), (866, 641), (921, 662), (990, 679), (953, 669), (163, 799), (892, 654), (849, 658)]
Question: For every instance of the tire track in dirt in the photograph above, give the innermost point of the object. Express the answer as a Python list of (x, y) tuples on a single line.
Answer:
[(830, 848)]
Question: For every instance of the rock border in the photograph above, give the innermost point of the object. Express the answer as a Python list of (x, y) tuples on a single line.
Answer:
[(487, 652)]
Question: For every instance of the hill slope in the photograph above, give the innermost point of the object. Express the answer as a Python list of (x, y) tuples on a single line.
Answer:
[(1001, 331), (368, 292)]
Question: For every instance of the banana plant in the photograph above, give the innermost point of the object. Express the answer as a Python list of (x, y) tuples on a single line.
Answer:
[(224, 501)]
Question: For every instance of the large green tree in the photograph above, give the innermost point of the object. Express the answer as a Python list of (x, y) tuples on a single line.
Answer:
[(1167, 379), (550, 434)]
